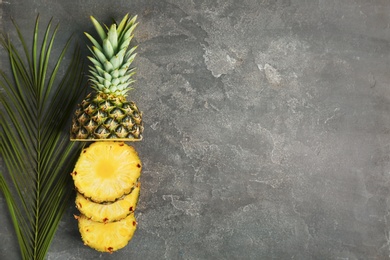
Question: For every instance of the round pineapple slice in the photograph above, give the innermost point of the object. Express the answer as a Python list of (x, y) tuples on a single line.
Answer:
[(108, 212), (107, 237), (105, 171)]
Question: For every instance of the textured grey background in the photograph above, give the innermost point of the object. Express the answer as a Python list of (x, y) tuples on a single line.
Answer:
[(267, 128)]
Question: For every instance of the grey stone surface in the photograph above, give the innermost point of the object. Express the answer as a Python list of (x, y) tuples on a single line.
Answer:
[(267, 128)]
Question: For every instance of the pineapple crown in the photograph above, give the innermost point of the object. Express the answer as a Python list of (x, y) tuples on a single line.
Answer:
[(112, 57)]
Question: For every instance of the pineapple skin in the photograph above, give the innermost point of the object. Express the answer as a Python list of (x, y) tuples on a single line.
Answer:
[(105, 171), (108, 212), (106, 117), (107, 237)]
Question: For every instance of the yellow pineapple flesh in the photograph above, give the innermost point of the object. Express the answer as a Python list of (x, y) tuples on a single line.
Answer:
[(108, 212), (105, 171), (107, 237)]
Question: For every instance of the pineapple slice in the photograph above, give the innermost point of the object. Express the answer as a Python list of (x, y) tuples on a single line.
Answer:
[(105, 171), (107, 237), (108, 212)]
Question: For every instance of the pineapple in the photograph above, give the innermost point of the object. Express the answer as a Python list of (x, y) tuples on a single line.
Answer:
[(105, 113), (108, 212), (105, 171), (106, 175), (107, 237)]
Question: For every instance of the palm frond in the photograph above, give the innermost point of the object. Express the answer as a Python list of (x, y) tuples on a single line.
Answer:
[(36, 106)]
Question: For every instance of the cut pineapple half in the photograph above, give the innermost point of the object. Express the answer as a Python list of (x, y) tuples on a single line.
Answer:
[(107, 237), (108, 212), (105, 171)]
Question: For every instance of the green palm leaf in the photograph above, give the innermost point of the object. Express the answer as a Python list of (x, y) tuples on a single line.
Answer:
[(36, 106)]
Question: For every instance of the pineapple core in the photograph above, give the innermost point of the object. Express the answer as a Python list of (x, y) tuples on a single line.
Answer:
[(105, 168)]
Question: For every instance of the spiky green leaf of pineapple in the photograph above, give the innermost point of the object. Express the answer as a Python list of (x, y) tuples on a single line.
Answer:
[(105, 113)]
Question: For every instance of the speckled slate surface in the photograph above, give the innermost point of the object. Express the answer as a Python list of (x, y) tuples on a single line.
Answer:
[(267, 128)]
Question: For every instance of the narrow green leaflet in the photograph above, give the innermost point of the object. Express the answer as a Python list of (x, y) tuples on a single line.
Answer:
[(36, 106)]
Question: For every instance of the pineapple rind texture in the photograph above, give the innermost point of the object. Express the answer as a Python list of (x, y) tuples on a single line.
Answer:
[(106, 117), (108, 212), (105, 171), (107, 237)]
